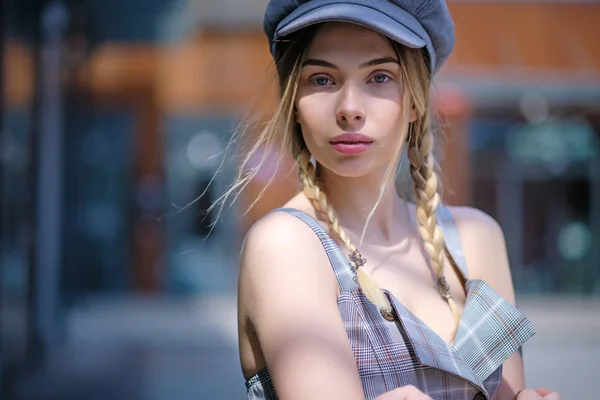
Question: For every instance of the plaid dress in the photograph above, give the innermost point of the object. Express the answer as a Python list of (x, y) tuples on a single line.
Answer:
[(390, 354)]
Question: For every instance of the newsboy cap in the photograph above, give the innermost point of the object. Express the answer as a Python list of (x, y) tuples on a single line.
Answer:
[(413, 23)]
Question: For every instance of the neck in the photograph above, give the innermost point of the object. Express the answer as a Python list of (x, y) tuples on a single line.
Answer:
[(353, 200)]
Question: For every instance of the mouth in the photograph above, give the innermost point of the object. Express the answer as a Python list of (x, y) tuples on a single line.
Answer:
[(351, 139), (351, 143)]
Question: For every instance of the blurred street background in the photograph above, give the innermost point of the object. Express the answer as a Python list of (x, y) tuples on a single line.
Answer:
[(115, 116)]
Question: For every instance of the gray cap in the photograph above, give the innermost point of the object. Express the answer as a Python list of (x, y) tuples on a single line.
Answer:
[(413, 23)]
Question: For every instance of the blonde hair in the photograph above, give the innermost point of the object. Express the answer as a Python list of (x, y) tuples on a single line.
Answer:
[(418, 136)]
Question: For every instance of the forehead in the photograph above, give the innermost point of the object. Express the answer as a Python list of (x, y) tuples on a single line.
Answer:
[(339, 39)]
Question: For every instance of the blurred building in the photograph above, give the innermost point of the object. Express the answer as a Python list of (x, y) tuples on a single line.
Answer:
[(113, 112)]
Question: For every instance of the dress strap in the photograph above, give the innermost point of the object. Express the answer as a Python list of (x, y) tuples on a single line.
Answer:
[(338, 260), (452, 240)]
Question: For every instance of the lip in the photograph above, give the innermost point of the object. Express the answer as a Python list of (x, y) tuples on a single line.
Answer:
[(351, 138), (351, 143)]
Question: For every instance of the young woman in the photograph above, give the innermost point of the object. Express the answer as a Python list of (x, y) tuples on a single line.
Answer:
[(353, 290)]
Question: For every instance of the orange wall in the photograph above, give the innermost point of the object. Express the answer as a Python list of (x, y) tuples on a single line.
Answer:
[(544, 35)]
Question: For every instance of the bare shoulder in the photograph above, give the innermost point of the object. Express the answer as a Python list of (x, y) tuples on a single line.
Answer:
[(484, 247), (279, 234), (474, 222), (281, 257)]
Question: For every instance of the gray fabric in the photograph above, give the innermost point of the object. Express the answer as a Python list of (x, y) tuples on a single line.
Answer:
[(413, 23), (452, 239)]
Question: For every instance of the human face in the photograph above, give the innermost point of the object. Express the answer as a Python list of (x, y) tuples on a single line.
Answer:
[(349, 100)]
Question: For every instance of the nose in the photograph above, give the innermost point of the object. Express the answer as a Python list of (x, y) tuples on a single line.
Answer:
[(350, 113)]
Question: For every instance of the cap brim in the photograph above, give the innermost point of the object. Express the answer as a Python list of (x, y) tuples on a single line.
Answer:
[(396, 28)]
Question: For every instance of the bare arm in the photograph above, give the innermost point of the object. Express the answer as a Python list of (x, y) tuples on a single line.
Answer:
[(485, 252), (289, 292)]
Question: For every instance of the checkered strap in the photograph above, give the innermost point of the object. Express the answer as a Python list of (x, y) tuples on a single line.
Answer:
[(452, 240)]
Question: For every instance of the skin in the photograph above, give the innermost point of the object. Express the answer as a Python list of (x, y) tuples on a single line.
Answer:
[(287, 290)]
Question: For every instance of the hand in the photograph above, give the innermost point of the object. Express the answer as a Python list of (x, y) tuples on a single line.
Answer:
[(545, 394), (406, 393)]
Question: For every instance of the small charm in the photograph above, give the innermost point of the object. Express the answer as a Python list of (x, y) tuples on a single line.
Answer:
[(444, 288), (389, 315), (357, 260)]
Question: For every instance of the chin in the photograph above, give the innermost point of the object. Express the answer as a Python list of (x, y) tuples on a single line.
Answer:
[(351, 167)]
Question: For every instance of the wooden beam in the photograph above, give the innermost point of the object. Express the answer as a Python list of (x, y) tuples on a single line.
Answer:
[(18, 74), (118, 73), (148, 234), (217, 71), (556, 36)]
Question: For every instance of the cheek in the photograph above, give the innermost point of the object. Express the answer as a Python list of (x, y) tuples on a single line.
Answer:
[(313, 113), (387, 116)]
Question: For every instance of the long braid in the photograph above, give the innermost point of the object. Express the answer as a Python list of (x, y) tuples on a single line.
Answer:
[(319, 200), (422, 165)]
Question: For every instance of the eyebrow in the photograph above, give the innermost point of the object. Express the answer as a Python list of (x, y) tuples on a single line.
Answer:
[(378, 61), (370, 63)]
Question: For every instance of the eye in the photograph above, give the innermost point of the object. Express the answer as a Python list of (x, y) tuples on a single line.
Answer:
[(380, 78), (321, 81)]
